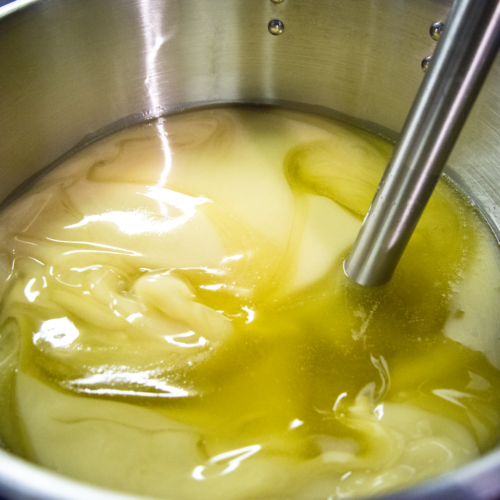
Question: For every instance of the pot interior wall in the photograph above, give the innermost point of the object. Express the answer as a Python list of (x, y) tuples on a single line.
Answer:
[(70, 68)]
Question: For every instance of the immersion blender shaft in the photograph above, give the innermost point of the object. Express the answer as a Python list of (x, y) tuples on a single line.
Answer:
[(456, 73)]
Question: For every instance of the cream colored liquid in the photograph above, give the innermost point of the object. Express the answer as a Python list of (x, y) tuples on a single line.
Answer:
[(176, 321)]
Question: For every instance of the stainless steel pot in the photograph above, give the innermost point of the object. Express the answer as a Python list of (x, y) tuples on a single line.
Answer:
[(69, 68)]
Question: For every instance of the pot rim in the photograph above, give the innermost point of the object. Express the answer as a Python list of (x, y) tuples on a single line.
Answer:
[(477, 480)]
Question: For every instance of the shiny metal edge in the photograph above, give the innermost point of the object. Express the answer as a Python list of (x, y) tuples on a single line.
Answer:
[(9, 8), (475, 481)]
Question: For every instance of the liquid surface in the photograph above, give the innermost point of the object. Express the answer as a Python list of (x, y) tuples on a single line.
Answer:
[(176, 322)]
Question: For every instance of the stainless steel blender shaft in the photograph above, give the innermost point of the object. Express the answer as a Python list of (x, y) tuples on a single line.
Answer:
[(456, 73)]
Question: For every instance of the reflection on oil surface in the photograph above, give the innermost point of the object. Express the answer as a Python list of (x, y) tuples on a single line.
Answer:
[(175, 320)]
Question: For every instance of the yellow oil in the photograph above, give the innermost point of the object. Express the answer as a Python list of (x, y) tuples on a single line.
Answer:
[(176, 321)]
